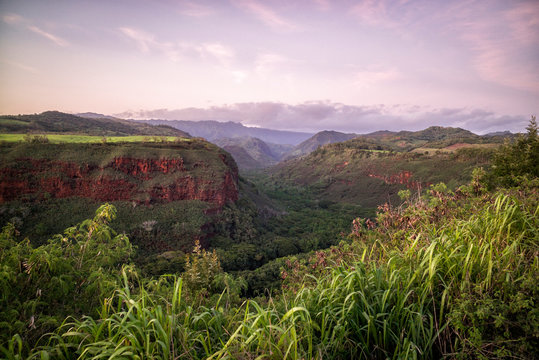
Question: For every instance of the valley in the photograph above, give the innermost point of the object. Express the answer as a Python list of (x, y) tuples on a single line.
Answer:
[(249, 221)]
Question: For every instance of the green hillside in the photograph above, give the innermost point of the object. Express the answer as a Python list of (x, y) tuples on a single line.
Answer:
[(357, 172), (436, 137), (256, 148), (55, 122), (317, 140)]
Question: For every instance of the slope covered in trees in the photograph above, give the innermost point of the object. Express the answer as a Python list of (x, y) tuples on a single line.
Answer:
[(55, 122), (166, 193)]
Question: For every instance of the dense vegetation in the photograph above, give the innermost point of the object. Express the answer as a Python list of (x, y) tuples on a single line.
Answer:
[(452, 272), (358, 172), (55, 122), (251, 153)]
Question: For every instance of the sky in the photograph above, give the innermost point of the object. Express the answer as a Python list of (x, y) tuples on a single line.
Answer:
[(350, 65)]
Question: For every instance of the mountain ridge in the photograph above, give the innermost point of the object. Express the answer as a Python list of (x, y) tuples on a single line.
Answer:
[(213, 130), (56, 122)]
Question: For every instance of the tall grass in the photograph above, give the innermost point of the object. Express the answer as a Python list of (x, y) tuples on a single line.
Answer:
[(465, 287)]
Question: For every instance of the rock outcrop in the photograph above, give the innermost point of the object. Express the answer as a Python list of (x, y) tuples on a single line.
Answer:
[(403, 178), (124, 178)]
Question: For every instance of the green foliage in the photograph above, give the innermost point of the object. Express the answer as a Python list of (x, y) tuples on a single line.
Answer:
[(348, 173), (36, 139), (55, 122), (450, 274), (68, 276), (201, 268), (517, 159)]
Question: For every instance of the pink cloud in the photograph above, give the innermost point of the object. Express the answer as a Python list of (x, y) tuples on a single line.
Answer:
[(523, 20), (323, 5), (218, 51), (265, 14), (194, 9), (55, 39), (13, 19), (370, 77), (21, 66), (147, 42), (372, 12), (268, 62), (500, 43), (143, 39)]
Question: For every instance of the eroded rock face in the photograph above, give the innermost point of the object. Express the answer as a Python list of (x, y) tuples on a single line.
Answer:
[(124, 178), (144, 168), (404, 178)]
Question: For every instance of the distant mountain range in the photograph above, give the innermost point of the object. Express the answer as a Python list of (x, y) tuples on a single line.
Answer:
[(251, 153), (251, 147), (212, 130)]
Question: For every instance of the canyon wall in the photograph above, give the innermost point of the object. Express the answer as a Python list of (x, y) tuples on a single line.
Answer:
[(164, 176)]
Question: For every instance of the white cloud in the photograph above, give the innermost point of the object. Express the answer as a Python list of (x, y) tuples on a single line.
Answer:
[(267, 63), (372, 12), (239, 76), (143, 39), (14, 19), (368, 78), (266, 14), (147, 42), (21, 66), (218, 51), (55, 39)]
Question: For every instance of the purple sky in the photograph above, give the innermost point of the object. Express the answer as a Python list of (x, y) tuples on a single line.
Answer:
[(353, 66)]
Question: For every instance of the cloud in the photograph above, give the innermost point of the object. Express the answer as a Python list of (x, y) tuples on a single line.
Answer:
[(368, 78), (265, 14), (503, 43), (193, 9), (267, 62), (523, 21), (218, 51), (147, 42), (13, 19), (372, 12), (18, 65), (323, 5), (500, 40), (55, 39), (319, 115), (239, 76), (144, 40)]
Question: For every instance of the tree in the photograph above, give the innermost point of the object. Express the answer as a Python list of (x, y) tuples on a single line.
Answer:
[(69, 276), (516, 160)]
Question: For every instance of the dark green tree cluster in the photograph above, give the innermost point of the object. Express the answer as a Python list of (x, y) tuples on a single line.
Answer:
[(517, 160)]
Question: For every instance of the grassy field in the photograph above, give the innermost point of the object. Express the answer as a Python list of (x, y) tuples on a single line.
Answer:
[(453, 148), (55, 138)]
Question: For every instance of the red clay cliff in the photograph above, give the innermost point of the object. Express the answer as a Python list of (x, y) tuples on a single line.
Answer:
[(124, 178)]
